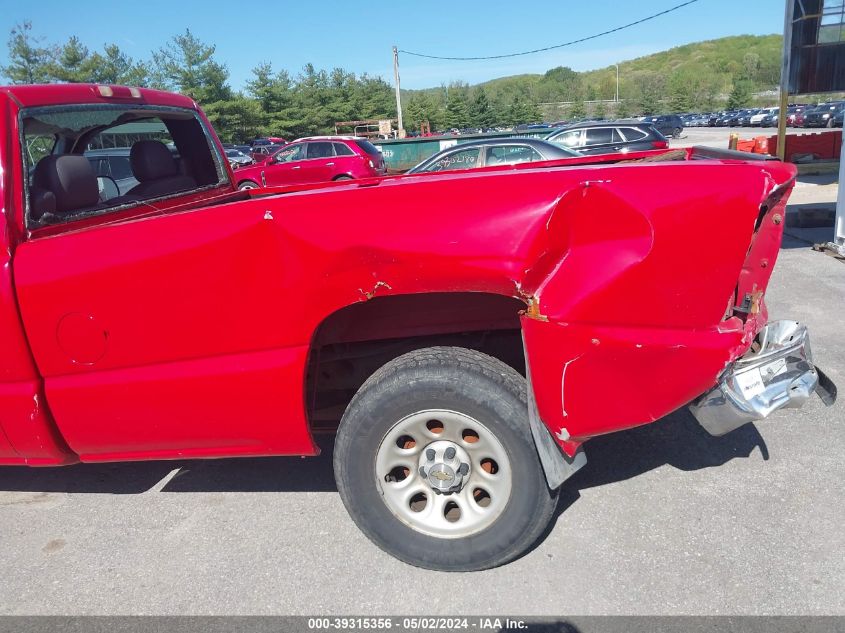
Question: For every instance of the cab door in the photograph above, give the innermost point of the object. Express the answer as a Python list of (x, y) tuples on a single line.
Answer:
[(166, 336)]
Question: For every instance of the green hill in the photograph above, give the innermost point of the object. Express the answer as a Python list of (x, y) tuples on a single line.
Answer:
[(695, 76)]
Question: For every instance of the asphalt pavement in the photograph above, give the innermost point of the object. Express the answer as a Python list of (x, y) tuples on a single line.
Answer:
[(664, 519)]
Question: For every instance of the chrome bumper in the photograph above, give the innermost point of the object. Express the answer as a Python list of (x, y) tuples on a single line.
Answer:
[(776, 373)]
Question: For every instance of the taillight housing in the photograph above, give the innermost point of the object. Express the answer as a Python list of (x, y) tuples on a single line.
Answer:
[(664, 144)]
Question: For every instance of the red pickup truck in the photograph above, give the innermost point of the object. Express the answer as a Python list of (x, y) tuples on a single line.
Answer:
[(461, 334)]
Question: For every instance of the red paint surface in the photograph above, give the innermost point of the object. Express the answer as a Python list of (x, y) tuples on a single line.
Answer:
[(194, 322)]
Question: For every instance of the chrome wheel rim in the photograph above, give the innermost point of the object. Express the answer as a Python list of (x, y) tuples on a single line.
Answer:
[(443, 473)]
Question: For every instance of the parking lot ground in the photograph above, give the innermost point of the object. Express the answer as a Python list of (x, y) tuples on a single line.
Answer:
[(719, 136), (664, 519)]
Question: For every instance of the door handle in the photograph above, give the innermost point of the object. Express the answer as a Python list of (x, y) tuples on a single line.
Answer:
[(297, 167), (329, 164)]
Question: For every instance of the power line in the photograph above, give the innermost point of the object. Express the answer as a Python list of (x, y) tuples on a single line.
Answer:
[(548, 48)]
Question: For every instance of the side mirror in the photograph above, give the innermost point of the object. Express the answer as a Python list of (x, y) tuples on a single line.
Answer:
[(107, 188)]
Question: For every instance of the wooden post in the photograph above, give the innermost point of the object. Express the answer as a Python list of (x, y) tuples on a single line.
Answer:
[(784, 78)]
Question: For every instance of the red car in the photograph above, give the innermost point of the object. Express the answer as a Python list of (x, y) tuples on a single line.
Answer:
[(796, 119), (315, 159), (463, 334)]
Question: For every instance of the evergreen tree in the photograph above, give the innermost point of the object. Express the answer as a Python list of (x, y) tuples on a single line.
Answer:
[(600, 110), (740, 96), (28, 59), (651, 89), (480, 112), (237, 120), (457, 108), (113, 66), (187, 65), (577, 111), (72, 63)]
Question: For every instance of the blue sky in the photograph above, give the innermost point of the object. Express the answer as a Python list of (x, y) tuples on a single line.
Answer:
[(358, 36)]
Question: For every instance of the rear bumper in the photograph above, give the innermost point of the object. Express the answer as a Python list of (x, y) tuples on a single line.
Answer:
[(776, 373)]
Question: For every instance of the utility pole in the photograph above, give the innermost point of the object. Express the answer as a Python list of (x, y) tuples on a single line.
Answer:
[(401, 130)]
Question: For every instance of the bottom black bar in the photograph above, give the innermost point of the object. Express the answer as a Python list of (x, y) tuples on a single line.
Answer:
[(432, 624)]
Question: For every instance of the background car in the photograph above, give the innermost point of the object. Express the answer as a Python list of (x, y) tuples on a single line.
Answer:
[(667, 124), (489, 152), (756, 119), (609, 137), (260, 153), (237, 158), (823, 114), (315, 159), (796, 119), (268, 140), (113, 163)]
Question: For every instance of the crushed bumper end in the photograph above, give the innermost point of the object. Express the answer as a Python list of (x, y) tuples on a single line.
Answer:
[(776, 373)]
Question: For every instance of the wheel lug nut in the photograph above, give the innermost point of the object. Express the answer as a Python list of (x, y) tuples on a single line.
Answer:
[(422, 472), (430, 454), (463, 469), (450, 452)]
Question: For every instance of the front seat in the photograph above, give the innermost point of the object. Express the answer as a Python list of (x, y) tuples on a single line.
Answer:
[(156, 171), (62, 184)]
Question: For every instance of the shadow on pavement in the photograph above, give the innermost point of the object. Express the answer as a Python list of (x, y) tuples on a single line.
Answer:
[(676, 440)]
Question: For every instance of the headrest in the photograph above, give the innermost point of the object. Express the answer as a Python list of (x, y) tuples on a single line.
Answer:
[(151, 160), (71, 180)]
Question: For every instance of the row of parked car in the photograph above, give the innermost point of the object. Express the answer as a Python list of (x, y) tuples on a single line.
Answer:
[(827, 114), (273, 162), (328, 158)]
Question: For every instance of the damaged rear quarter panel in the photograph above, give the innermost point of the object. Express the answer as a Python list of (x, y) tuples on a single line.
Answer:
[(632, 314)]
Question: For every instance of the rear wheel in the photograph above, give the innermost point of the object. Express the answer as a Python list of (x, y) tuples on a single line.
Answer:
[(247, 184), (435, 462), (676, 132), (344, 177)]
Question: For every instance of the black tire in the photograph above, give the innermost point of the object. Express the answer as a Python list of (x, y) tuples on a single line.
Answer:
[(343, 177), (470, 383), (247, 184), (676, 133)]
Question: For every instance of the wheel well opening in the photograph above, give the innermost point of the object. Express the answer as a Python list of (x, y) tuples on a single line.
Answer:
[(351, 344)]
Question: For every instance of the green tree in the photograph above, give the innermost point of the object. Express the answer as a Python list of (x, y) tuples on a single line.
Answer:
[(457, 107), (600, 111), (113, 66), (680, 89), (623, 109), (72, 63), (28, 58), (237, 120), (740, 96), (480, 112), (187, 65), (423, 106), (577, 111), (651, 89)]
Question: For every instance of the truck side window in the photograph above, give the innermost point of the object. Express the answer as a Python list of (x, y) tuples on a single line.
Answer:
[(87, 160)]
